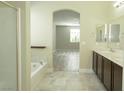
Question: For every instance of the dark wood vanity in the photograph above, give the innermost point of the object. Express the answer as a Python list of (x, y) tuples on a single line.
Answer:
[(109, 73)]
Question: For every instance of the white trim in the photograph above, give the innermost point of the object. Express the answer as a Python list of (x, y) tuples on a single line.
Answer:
[(19, 47), (86, 70), (8, 4), (77, 25), (41, 64)]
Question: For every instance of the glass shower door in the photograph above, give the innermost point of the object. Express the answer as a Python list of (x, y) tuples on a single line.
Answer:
[(8, 48)]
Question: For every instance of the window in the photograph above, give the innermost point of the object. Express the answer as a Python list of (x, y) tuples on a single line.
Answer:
[(74, 35)]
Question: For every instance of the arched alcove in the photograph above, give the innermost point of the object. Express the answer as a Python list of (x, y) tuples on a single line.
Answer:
[(66, 23)]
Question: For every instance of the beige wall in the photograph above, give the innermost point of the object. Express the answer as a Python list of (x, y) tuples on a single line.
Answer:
[(91, 14), (116, 16), (25, 42), (114, 12)]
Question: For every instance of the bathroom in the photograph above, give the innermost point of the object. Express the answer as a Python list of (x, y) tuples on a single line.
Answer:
[(36, 46)]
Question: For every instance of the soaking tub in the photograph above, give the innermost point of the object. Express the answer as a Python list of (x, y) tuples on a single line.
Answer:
[(36, 66), (38, 70)]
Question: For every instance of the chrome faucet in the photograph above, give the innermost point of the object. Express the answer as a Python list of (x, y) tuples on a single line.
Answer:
[(111, 49)]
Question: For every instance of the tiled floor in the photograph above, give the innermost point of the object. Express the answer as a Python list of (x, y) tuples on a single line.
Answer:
[(66, 60), (66, 76), (70, 81)]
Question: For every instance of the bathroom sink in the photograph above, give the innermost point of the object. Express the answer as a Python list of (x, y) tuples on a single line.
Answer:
[(105, 51), (108, 51)]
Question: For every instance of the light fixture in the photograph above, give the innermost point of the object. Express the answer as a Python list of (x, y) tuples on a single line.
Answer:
[(118, 4)]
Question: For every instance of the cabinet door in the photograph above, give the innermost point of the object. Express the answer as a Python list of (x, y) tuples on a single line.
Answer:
[(95, 62), (116, 77), (107, 66), (100, 67)]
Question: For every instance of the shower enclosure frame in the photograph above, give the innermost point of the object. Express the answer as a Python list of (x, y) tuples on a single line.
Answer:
[(18, 42)]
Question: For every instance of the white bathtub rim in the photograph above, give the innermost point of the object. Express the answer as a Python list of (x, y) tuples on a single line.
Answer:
[(37, 70)]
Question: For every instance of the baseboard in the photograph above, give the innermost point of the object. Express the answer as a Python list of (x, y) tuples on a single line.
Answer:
[(86, 70)]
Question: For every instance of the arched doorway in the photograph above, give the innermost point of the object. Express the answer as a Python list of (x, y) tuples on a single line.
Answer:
[(66, 40)]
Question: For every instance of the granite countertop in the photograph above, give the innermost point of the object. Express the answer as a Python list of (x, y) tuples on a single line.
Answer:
[(117, 56)]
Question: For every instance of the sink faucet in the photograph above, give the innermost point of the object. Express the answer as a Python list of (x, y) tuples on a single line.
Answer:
[(111, 50), (109, 47)]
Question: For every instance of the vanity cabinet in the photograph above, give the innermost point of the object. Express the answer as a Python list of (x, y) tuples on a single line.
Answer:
[(117, 77), (108, 72), (100, 67), (95, 62)]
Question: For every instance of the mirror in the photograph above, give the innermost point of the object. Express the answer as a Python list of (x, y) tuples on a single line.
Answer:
[(108, 33), (101, 34), (114, 32)]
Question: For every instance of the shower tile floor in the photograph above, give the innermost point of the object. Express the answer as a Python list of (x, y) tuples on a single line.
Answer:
[(66, 60), (69, 81)]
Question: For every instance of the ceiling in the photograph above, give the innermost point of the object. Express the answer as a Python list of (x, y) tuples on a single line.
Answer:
[(67, 17)]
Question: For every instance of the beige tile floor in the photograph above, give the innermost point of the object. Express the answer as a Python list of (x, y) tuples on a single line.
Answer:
[(69, 81)]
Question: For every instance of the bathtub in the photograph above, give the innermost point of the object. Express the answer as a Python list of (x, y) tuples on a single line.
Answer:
[(38, 69), (36, 66)]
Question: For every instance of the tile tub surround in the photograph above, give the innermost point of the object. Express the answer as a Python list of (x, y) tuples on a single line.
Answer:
[(117, 57), (69, 81)]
